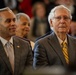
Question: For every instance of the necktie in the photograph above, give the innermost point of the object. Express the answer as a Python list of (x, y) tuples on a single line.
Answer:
[(65, 52), (10, 53)]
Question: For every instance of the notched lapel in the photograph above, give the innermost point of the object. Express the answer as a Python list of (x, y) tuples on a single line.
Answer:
[(18, 46), (53, 41), (4, 57), (17, 53), (71, 48)]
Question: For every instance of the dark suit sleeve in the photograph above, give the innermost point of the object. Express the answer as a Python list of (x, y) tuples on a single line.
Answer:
[(40, 58), (29, 61)]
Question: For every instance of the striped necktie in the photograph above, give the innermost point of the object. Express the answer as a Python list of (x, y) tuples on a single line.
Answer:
[(65, 51)]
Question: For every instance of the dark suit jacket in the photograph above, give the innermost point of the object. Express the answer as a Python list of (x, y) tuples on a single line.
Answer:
[(22, 54), (48, 52)]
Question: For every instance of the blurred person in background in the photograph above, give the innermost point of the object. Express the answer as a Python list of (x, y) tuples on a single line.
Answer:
[(75, 2), (34, 1), (39, 22), (49, 5), (72, 31), (12, 4), (23, 27), (26, 7)]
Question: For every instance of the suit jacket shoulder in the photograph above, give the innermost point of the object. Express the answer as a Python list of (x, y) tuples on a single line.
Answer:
[(48, 51)]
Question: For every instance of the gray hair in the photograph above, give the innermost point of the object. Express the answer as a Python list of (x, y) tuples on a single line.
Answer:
[(5, 9), (51, 14), (22, 14)]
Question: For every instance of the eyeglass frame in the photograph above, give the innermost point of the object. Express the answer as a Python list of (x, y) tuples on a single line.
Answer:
[(58, 18)]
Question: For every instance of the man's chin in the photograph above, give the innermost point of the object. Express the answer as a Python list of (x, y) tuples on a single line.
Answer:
[(12, 34)]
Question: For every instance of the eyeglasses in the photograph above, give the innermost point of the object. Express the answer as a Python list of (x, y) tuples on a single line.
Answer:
[(66, 18)]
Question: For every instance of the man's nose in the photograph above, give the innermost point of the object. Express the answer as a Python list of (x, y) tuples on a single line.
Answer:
[(62, 19), (27, 25), (12, 23)]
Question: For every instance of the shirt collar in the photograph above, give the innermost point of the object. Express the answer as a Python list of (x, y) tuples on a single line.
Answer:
[(4, 41), (60, 41)]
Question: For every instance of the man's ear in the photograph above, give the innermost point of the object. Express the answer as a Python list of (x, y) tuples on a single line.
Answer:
[(0, 28), (0, 18), (70, 21), (51, 23)]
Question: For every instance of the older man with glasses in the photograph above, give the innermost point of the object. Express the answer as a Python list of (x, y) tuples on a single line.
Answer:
[(58, 48)]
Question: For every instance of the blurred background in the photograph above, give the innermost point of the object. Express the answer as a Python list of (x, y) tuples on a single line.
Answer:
[(38, 11)]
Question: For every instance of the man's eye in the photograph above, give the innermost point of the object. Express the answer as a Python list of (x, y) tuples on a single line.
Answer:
[(8, 20), (58, 18), (64, 17), (14, 20), (29, 24), (24, 24)]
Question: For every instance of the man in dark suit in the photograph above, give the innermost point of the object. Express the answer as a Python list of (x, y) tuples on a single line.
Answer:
[(48, 51), (20, 56)]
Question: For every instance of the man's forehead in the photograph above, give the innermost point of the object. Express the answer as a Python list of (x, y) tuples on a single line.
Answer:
[(6, 12), (62, 11)]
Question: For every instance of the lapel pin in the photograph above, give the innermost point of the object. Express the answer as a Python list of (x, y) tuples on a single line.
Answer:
[(18, 46)]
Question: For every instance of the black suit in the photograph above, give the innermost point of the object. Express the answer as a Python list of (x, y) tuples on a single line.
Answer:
[(48, 52), (22, 54)]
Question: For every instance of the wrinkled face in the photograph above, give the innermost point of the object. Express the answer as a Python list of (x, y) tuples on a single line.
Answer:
[(23, 26), (61, 21), (7, 24)]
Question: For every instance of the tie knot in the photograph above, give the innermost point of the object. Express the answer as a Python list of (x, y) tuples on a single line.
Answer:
[(64, 44), (8, 44)]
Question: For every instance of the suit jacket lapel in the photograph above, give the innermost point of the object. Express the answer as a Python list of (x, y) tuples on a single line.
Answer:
[(4, 57), (71, 48), (17, 49), (53, 41)]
